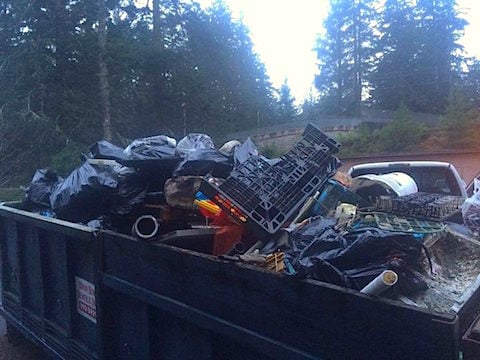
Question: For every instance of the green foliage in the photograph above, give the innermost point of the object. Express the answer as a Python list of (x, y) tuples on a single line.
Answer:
[(271, 151), (456, 117), (11, 194), (287, 109), (229, 83), (345, 55), (363, 140), (470, 84), (186, 70), (401, 134), (404, 52), (309, 110), (26, 144), (460, 119), (421, 56), (182, 69), (68, 158), (408, 54), (398, 44)]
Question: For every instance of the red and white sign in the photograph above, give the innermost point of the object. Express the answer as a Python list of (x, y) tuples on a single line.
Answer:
[(86, 299)]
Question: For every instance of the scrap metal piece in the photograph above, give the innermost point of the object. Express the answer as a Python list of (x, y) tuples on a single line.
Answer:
[(420, 205)]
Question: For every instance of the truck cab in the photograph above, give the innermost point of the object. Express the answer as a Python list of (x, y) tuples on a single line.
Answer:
[(431, 176)]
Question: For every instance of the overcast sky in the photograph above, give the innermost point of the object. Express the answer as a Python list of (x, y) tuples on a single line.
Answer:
[(284, 33)]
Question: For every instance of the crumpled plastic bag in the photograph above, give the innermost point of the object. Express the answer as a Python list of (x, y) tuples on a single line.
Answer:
[(245, 151), (471, 212), (203, 161), (85, 182), (129, 195), (105, 150), (193, 142), (180, 191), (154, 147), (320, 251), (43, 184), (230, 146)]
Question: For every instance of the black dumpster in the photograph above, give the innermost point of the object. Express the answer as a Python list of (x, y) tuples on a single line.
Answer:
[(85, 295), (148, 290)]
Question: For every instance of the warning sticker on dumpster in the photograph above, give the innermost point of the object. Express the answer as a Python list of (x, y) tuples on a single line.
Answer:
[(86, 299)]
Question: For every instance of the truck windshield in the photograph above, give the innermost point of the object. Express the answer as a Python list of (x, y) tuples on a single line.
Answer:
[(436, 180)]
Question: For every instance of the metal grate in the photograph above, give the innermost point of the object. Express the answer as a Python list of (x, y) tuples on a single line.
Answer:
[(420, 205), (394, 223)]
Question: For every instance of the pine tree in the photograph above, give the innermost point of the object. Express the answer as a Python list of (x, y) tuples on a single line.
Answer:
[(345, 55), (419, 58), (103, 71), (470, 83), (287, 109), (397, 46)]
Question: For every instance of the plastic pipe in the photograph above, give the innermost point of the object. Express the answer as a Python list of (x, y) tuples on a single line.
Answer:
[(381, 283), (145, 227), (238, 248), (306, 208), (254, 247)]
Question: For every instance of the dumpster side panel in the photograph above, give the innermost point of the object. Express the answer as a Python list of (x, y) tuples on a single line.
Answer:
[(55, 281), (471, 341), (276, 315), (30, 278), (81, 282), (31, 271), (10, 266), (126, 330), (41, 261), (135, 329)]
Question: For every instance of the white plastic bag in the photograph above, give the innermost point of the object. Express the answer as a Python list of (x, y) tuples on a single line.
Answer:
[(471, 211)]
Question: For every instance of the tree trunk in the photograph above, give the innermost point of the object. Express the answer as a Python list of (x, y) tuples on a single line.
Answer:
[(61, 31), (103, 71), (358, 59), (157, 26)]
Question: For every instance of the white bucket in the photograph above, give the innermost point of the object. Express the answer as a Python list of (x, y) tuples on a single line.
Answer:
[(400, 183)]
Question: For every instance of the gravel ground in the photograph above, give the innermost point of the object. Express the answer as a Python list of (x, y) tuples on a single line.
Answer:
[(17, 348)]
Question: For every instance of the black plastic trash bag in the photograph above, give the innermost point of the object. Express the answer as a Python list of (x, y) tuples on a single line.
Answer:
[(193, 142), (85, 190), (104, 150), (203, 161), (155, 147), (129, 195), (321, 252), (43, 183)]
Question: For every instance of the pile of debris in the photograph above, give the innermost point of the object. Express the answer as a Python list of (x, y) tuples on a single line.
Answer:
[(295, 214)]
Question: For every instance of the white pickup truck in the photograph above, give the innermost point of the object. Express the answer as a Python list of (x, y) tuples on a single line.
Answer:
[(431, 176)]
